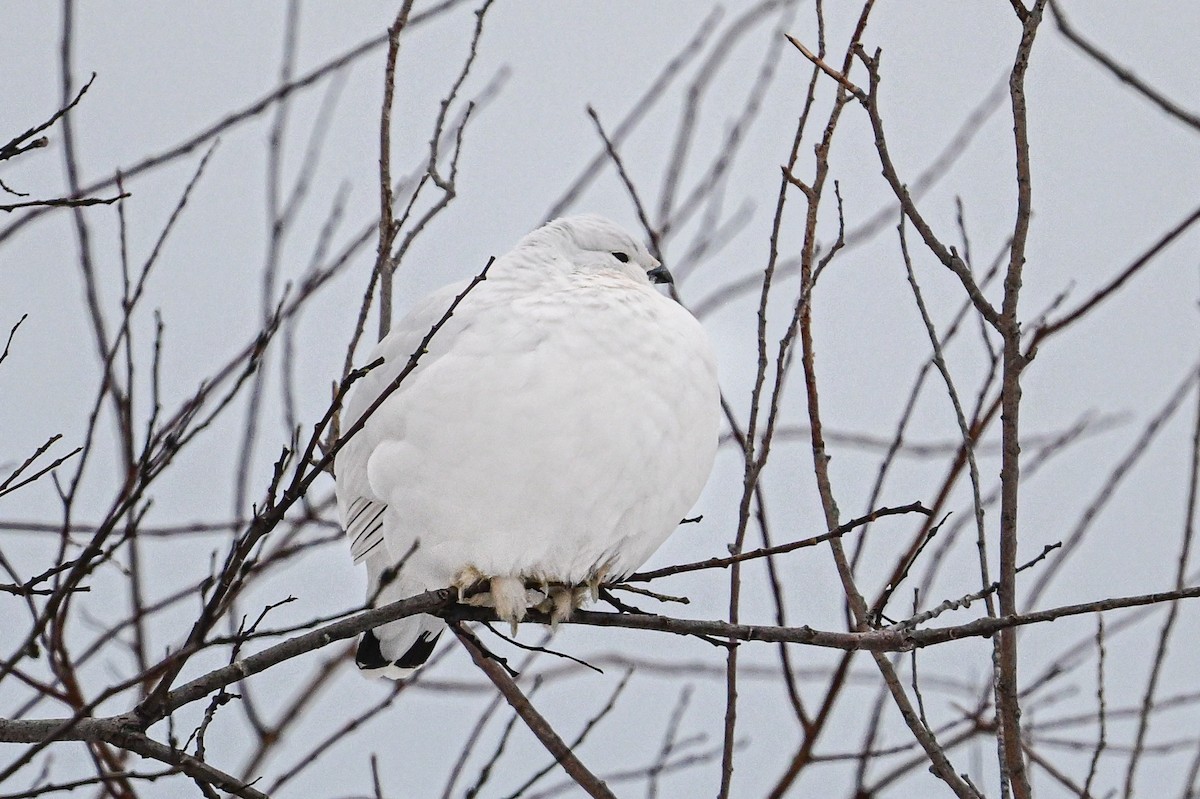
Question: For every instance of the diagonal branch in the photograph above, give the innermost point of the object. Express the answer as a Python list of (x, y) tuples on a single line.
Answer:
[(19, 143), (721, 563), (535, 721), (949, 258), (1123, 73), (1050, 328), (245, 113)]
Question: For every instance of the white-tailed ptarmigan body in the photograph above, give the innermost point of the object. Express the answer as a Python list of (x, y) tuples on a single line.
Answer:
[(562, 422)]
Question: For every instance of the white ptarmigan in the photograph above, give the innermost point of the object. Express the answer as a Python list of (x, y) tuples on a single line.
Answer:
[(559, 426)]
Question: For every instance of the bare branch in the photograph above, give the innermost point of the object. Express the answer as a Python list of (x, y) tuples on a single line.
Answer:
[(535, 721), (1121, 72), (20, 143)]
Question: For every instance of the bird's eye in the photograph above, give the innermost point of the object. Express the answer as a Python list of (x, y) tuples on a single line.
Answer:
[(622, 257)]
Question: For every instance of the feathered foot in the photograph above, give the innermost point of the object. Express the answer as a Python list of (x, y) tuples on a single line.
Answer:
[(508, 595), (593, 582), (510, 599), (468, 582), (563, 601)]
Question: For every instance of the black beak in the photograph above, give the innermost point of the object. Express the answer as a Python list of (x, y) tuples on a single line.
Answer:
[(659, 274)]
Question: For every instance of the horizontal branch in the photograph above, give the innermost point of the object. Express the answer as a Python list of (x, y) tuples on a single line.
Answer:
[(886, 640), (65, 202), (443, 602), (340, 630), (114, 731), (126, 731), (891, 639)]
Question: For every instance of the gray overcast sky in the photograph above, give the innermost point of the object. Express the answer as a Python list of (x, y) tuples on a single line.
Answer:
[(1110, 175)]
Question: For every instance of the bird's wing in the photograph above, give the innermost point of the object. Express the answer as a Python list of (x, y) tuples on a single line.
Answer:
[(363, 523), (362, 512), (398, 648)]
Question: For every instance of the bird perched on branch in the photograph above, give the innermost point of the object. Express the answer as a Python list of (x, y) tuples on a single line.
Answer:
[(555, 430)]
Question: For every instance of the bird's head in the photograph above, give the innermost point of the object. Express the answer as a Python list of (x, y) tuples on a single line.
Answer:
[(592, 244)]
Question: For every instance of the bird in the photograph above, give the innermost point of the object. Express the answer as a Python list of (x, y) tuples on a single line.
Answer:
[(555, 430)]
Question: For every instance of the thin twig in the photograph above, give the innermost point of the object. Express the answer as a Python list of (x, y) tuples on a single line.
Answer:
[(1121, 72), (721, 563)]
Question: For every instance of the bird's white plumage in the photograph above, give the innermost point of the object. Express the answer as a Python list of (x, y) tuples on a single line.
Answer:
[(558, 427)]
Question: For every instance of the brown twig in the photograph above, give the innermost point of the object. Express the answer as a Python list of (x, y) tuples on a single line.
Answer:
[(1052, 327), (820, 64), (65, 202), (876, 640), (248, 112), (610, 149), (581, 737), (944, 254), (721, 563), (691, 49), (1168, 626), (537, 724), (387, 227), (1008, 709), (20, 143), (1121, 72), (1101, 709)]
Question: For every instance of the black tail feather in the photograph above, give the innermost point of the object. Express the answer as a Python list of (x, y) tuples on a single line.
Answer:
[(369, 656)]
